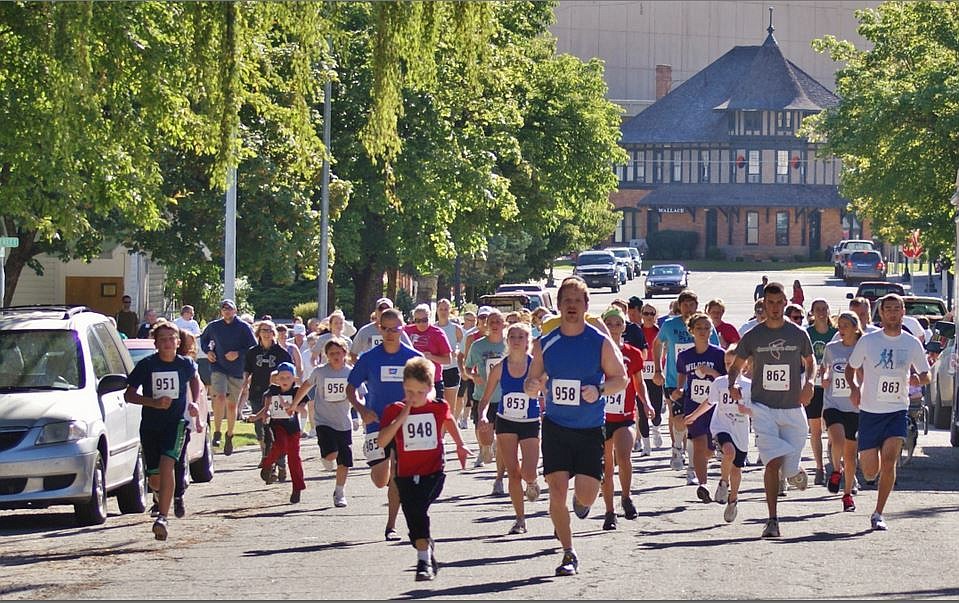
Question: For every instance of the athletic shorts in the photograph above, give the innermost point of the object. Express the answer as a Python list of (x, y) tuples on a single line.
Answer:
[(814, 408), (161, 440), (876, 428), (675, 408), (332, 440), (575, 451), (451, 377), (387, 454), (740, 459), (524, 430), (440, 390), (222, 384), (780, 432), (611, 426), (490, 412), (700, 426), (465, 390), (849, 421)]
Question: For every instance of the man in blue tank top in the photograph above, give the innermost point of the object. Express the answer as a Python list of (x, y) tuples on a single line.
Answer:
[(574, 366)]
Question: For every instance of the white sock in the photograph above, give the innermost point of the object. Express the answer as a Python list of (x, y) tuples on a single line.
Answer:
[(423, 555), (338, 490)]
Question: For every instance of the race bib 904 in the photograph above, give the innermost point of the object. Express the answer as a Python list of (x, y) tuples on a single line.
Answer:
[(566, 392)]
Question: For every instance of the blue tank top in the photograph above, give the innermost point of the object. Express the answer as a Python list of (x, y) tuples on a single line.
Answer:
[(572, 362), (515, 405)]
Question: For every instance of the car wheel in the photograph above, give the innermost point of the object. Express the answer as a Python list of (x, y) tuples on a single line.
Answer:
[(954, 429), (940, 418), (94, 511), (132, 498), (648, 295), (201, 470), (615, 288)]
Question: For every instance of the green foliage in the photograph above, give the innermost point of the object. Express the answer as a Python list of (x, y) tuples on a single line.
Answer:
[(306, 310), (405, 302), (280, 301), (715, 253), (895, 128), (672, 244)]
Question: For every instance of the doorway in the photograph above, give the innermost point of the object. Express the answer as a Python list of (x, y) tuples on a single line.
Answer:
[(815, 235), (100, 293)]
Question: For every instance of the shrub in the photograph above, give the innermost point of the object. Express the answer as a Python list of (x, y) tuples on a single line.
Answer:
[(715, 253), (405, 302), (672, 244), (306, 310)]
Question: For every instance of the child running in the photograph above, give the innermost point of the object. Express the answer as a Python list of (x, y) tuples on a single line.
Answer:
[(730, 426), (282, 417), (417, 424)]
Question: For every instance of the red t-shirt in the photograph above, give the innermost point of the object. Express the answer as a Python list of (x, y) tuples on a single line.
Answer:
[(633, 359), (728, 333), (433, 340), (419, 442)]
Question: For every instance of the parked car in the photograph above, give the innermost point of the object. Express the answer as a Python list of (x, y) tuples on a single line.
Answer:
[(932, 309), (873, 290), (199, 450), (666, 278), (626, 258), (598, 269), (637, 261), (845, 247), (517, 300), (864, 265), (67, 436), (511, 287)]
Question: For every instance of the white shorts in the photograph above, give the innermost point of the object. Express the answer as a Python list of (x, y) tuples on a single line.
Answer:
[(780, 432)]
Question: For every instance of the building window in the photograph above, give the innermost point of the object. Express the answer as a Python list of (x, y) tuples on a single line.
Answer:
[(782, 228), (620, 172), (677, 166), (752, 122), (752, 173), (798, 163), (704, 166), (782, 166), (639, 166), (784, 122), (752, 228), (657, 166)]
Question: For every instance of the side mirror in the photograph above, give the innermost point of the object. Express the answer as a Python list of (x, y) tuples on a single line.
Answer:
[(111, 383), (850, 296)]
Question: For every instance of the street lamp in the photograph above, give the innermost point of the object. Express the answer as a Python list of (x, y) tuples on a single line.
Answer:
[(954, 200)]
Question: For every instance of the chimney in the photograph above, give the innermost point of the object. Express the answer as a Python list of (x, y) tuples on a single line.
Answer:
[(664, 80)]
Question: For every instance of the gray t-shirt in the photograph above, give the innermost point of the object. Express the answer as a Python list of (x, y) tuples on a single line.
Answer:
[(369, 336), (330, 404), (777, 362), (320, 346)]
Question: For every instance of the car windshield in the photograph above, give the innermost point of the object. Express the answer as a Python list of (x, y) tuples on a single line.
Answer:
[(664, 271), (878, 291), (858, 245), (35, 359), (139, 354), (593, 260), (622, 253), (921, 308)]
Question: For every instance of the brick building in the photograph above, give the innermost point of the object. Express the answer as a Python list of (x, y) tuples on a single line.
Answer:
[(720, 155)]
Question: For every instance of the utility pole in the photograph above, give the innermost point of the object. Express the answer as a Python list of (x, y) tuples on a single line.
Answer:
[(229, 243), (322, 277), (955, 262)]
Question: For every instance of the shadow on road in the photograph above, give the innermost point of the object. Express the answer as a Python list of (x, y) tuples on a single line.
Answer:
[(52, 523), (13, 559), (946, 593), (313, 548), (497, 587)]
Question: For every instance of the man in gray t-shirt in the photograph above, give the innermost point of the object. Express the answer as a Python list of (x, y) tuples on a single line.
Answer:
[(782, 384)]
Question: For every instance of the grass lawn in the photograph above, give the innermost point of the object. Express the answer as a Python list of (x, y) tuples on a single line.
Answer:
[(243, 435)]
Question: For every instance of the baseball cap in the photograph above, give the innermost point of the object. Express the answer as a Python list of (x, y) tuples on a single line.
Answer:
[(228, 303), (383, 300), (634, 302), (286, 366), (299, 329), (484, 311)]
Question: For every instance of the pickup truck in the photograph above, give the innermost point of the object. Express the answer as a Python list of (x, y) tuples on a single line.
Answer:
[(873, 290), (844, 248)]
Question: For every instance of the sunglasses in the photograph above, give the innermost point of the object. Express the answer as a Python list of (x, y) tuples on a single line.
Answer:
[(383, 307), (420, 321), (649, 314), (390, 329), (796, 317)]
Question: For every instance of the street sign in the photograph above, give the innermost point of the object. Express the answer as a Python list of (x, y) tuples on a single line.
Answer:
[(9, 241)]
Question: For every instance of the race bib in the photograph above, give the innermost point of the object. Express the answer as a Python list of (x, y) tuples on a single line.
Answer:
[(699, 390), (375, 340), (776, 377), (724, 398), (516, 405), (679, 348), (490, 363), (616, 403), (334, 390), (278, 406), (391, 374), (840, 388), (566, 392), (372, 450), (889, 389), (419, 432), (166, 383), (649, 369)]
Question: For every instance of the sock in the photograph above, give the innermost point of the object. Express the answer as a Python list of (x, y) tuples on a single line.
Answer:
[(338, 490), (423, 555)]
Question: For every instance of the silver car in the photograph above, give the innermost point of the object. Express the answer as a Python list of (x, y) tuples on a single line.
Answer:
[(864, 265)]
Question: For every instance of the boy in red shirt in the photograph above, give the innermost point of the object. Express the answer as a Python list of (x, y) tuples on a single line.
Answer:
[(417, 424)]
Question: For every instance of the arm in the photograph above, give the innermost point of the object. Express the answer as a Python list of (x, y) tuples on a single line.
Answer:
[(161, 403), (680, 390), (734, 371), (658, 378), (388, 432), (365, 413), (494, 377), (535, 381), (615, 372), (809, 373), (704, 406), (852, 378)]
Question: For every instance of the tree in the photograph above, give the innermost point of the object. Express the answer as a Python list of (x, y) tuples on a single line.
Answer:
[(895, 126)]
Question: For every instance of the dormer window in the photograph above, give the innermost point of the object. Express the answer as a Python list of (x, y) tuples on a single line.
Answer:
[(752, 122), (784, 122)]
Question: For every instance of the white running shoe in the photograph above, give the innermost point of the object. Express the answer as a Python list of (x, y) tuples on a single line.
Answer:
[(657, 437), (498, 489), (722, 493), (339, 499), (357, 424), (691, 479), (638, 446), (676, 462), (799, 481), (646, 449), (532, 492), (328, 464), (479, 461), (463, 424), (731, 510)]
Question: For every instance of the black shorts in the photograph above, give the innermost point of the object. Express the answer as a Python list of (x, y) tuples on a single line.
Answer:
[(740, 459), (814, 408), (675, 406), (611, 426), (161, 440), (440, 390), (490, 412), (451, 377), (465, 390), (332, 440), (849, 421), (575, 451), (524, 430), (387, 454)]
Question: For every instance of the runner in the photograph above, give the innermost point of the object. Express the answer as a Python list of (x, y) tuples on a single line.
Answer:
[(381, 370), (841, 417), (891, 361), (464, 395), (759, 315), (164, 378), (620, 416), (414, 427), (483, 354), (730, 426), (863, 309), (728, 334), (575, 366), (673, 338), (517, 421), (820, 332), (655, 392), (430, 341), (783, 373), (337, 328), (451, 370), (696, 369), (369, 336), (282, 416)]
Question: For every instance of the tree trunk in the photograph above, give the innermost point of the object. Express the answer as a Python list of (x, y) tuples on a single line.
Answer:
[(368, 287), (426, 287), (16, 259), (392, 277), (443, 287)]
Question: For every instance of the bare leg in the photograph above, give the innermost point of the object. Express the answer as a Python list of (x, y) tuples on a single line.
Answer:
[(771, 484), (558, 482), (891, 449)]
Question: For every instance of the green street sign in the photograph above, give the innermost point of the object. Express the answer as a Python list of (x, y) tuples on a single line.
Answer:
[(9, 241)]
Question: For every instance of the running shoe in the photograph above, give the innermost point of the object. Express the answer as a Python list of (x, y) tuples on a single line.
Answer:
[(703, 493), (498, 489), (295, 497), (848, 504), (855, 486), (328, 464), (609, 521), (676, 462), (722, 492), (782, 486), (732, 508), (217, 439), (833, 484), (339, 499), (647, 449), (569, 566), (532, 492), (657, 437), (518, 528), (160, 528), (179, 509), (479, 461), (582, 511), (629, 509), (357, 424), (281, 473), (820, 479), (424, 571), (463, 424), (638, 445), (799, 481), (772, 529), (267, 475), (691, 479), (155, 508), (228, 445), (391, 535), (878, 523)]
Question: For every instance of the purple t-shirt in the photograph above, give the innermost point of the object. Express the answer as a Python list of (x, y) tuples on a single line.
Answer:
[(697, 388)]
